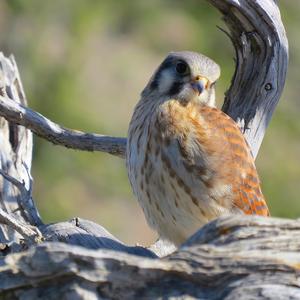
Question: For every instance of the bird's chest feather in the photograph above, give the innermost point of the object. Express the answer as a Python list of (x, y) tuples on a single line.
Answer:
[(152, 143), (155, 154)]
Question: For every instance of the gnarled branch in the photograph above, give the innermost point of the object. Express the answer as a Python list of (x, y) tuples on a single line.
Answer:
[(232, 258), (15, 161), (261, 46), (58, 135)]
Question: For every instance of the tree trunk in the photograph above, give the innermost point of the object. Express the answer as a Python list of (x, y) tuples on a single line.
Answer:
[(237, 257), (231, 258)]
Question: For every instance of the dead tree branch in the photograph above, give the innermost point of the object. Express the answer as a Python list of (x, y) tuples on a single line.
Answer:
[(28, 232), (58, 135), (15, 161), (261, 46), (232, 258)]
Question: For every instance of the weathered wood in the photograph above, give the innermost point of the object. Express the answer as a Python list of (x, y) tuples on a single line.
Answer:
[(261, 46), (232, 258), (15, 158), (59, 135), (237, 257), (89, 235)]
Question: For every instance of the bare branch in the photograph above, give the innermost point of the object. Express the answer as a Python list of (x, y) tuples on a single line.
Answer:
[(43, 127), (30, 233), (17, 183), (16, 152), (26, 204)]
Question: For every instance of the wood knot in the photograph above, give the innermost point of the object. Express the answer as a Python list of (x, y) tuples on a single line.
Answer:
[(4, 249), (268, 86)]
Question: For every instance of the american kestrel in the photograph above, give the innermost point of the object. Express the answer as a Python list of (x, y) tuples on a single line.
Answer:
[(188, 162)]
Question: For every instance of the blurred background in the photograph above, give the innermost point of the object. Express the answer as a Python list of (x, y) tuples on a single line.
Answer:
[(83, 64)]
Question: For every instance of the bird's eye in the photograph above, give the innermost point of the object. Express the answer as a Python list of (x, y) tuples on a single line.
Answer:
[(181, 68)]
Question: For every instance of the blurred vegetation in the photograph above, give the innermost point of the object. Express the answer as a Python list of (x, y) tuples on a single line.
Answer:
[(83, 65)]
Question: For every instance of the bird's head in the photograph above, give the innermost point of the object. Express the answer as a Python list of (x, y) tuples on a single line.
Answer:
[(185, 76)]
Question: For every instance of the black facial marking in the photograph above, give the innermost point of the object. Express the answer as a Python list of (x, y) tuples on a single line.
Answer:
[(176, 65), (175, 88), (154, 83), (167, 63)]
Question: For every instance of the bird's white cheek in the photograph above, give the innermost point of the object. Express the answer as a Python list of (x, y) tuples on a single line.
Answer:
[(203, 97), (165, 82), (187, 93), (208, 98)]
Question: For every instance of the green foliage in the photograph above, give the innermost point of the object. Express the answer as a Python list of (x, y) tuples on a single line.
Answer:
[(84, 63)]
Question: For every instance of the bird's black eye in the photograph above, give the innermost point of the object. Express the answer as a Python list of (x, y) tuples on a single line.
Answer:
[(181, 68)]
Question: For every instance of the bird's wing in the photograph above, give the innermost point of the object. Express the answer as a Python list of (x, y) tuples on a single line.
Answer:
[(211, 159)]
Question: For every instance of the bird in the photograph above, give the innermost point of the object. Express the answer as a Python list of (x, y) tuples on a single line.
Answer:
[(187, 161)]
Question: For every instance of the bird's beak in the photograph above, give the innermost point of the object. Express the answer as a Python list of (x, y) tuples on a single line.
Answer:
[(199, 84)]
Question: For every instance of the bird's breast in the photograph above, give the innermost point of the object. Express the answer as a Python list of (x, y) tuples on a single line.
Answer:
[(153, 158)]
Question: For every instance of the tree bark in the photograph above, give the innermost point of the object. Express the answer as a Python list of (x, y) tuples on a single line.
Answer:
[(15, 160), (230, 258), (261, 46), (237, 257)]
